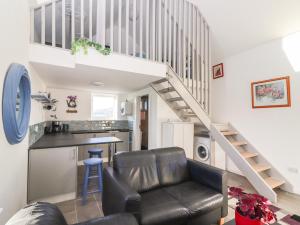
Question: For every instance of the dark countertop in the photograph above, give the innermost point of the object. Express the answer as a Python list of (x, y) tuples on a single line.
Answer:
[(68, 140), (99, 131)]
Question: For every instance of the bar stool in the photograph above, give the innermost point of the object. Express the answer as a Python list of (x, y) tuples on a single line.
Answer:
[(95, 152), (89, 164)]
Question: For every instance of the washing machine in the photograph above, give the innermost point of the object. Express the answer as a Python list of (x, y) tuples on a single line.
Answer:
[(202, 151)]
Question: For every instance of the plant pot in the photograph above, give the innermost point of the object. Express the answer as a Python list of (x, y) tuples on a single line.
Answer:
[(245, 220)]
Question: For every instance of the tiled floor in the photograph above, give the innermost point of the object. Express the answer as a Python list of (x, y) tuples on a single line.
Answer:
[(75, 212)]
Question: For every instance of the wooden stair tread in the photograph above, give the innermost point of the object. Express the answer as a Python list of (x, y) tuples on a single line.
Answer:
[(260, 167), (182, 107), (229, 133), (239, 143), (174, 99), (189, 115), (166, 90), (272, 182), (247, 155), (160, 81)]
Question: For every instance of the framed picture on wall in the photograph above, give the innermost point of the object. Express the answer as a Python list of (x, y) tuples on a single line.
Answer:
[(218, 71), (271, 93)]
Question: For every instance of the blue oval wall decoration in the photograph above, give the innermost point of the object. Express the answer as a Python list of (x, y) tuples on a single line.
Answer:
[(16, 103)]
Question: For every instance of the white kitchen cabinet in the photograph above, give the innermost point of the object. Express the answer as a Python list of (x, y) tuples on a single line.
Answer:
[(180, 134), (52, 174)]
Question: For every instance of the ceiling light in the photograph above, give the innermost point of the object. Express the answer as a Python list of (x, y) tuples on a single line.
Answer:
[(97, 83), (291, 47)]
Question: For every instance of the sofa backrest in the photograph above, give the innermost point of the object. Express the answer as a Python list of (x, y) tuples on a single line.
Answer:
[(38, 213), (138, 169), (146, 170), (171, 165)]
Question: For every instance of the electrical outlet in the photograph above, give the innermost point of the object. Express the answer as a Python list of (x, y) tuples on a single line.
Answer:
[(293, 170), (1, 210)]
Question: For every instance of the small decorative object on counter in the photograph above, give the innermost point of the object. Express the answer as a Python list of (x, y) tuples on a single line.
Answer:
[(72, 104), (252, 209)]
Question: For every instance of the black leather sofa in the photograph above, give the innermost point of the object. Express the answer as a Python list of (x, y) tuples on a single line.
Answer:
[(162, 187), (41, 213)]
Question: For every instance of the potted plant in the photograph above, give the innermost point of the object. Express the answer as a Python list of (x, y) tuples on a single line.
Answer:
[(252, 209)]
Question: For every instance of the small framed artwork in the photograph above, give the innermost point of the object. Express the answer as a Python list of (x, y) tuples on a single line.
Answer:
[(218, 71), (271, 93)]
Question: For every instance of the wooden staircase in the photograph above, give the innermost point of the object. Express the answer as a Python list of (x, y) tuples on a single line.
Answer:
[(258, 170), (252, 164), (174, 92)]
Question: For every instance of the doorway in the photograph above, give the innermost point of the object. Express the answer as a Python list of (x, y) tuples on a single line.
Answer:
[(144, 121)]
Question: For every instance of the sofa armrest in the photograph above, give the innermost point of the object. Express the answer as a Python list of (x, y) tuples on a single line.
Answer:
[(117, 219), (117, 196), (211, 177)]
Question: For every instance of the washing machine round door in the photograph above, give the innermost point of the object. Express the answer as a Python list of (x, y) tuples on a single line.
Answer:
[(202, 152)]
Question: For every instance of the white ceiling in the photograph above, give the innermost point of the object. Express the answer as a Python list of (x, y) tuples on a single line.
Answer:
[(81, 77), (239, 25)]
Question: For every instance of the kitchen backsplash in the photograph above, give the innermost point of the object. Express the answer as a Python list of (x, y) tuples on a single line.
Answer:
[(36, 131), (96, 124)]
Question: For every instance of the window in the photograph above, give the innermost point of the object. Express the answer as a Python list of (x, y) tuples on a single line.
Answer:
[(291, 47), (104, 107)]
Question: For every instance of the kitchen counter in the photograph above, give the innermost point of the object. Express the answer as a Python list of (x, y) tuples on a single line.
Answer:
[(68, 139), (100, 131)]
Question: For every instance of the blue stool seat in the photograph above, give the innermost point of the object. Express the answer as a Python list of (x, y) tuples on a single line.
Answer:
[(92, 161), (89, 164), (95, 152)]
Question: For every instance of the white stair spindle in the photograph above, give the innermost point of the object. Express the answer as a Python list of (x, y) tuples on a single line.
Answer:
[(174, 34), (165, 30), (134, 29), (189, 47), (153, 29), (63, 24), (53, 23), (91, 20), (73, 20), (81, 19), (43, 18), (120, 27), (147, 29), (127, 27), (198, 57), (170, 33), (183, 41), (204, 65), (159, 34), (194, 53), (179, 38), (207, 69), (112, 25), (141, 27)]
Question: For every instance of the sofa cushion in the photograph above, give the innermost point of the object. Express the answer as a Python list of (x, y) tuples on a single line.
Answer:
[(171, 165), (39, 213), (138, 169), (197, 198), (158, 207)]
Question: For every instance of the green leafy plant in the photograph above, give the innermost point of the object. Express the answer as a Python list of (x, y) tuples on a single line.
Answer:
[(83, 43)]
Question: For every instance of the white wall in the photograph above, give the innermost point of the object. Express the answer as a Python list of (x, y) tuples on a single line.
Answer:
[(83, 102), (273, 131), (159, 112), (14, 43)]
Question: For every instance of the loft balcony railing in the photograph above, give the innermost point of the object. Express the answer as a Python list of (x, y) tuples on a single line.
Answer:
[(167, 31)]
